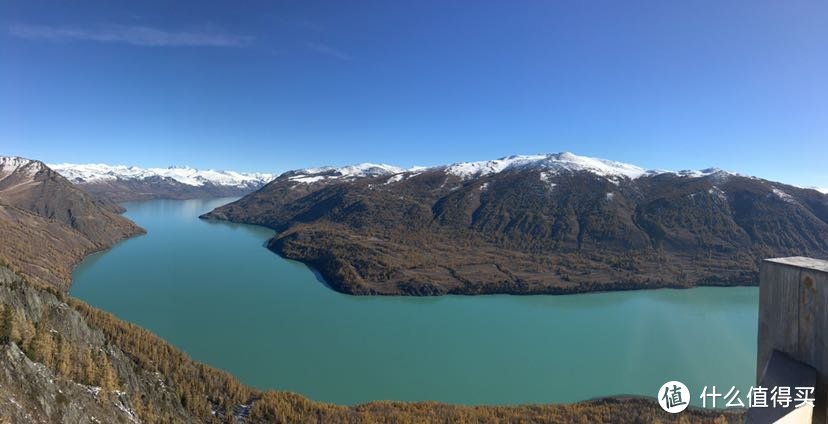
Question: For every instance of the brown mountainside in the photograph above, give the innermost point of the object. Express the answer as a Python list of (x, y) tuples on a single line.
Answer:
[(123, 190), (31, 185), (545, 227), (51, 223), (41, 249)]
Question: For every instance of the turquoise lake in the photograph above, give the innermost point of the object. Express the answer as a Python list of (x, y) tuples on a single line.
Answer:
[(214, 290)]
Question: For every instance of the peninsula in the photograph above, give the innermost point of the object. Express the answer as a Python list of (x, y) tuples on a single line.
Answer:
[(543, 224)]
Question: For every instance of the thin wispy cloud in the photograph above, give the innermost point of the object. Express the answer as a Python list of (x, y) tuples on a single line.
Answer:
[(327, 50), (130, 34)]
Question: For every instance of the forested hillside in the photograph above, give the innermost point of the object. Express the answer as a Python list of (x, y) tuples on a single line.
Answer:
[(547, 224)]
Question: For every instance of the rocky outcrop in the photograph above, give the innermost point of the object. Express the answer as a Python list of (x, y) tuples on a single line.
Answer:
[(68, 392), (33, 393)]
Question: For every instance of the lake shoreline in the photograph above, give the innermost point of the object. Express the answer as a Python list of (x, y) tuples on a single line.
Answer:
[(172, 281), (328, 277)]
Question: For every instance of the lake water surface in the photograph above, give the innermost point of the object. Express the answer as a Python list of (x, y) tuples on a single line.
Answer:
[(215, 291)]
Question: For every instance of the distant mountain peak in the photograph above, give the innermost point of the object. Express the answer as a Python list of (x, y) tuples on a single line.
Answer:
[(95, 173), (10, 164), (123, 183), (311, 175), (554, 162)]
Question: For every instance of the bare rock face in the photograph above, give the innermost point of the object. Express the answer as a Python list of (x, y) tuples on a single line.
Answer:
[(34, 392), (553, 224)]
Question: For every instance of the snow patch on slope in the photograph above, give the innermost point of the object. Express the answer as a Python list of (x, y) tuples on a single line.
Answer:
[(306, 179), (689, 173), (716, 191), (783, 196), (92, 173), (312, 175), (395, 178), (353, 171), (546, 177)]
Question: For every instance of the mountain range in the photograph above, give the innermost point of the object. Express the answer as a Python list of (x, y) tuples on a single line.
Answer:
[(125, 183), (555, 223)]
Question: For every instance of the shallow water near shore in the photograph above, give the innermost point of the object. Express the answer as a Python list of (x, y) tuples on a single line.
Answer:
[(213, 290)]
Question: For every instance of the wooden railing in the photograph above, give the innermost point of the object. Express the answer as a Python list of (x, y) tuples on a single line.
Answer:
[(793, 336)]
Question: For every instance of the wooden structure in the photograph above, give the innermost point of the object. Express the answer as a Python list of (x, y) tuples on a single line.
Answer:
[(793, 335)]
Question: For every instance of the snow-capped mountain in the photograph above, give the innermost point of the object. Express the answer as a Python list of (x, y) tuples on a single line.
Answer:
[(550, 164), (555, 223), (122, 183), (11, 164), (331, 173), (555, 163), (92, 173)]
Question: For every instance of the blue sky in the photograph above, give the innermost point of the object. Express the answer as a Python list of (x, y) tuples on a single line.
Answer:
[(270, 86)]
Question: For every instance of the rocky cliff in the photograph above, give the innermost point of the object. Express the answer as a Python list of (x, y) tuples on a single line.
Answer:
[(57, 368)]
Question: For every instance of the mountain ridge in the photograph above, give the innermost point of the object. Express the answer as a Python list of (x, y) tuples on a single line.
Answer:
[(553, 224), (563, 161), (127, 183), (48, 224)]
